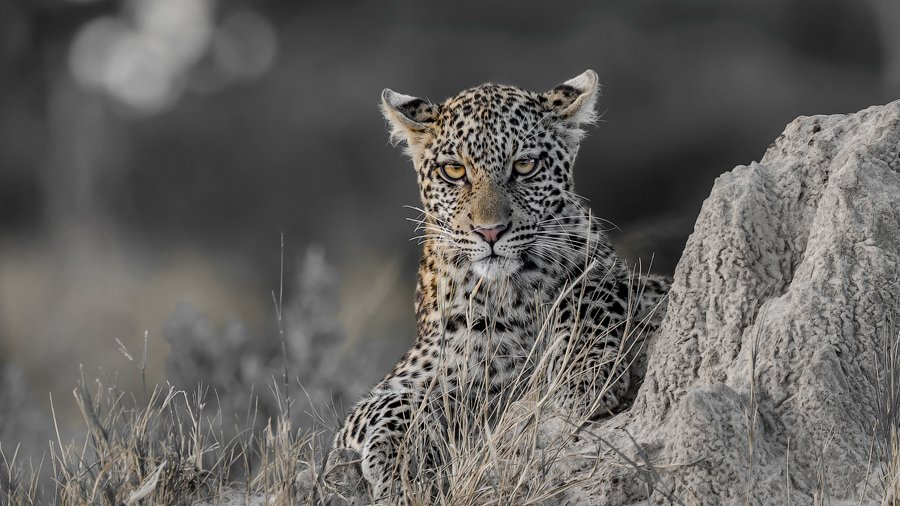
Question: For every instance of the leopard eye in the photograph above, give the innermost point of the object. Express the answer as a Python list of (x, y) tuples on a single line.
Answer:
[(525, 166), (453, 172)]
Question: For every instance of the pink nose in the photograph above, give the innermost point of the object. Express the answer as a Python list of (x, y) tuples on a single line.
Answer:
[(490, 234)]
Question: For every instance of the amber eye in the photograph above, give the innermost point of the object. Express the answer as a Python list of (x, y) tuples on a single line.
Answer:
[(525, 166), (453, 172)]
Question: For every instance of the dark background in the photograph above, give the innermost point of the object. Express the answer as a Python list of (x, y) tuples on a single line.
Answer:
[(153, 151)]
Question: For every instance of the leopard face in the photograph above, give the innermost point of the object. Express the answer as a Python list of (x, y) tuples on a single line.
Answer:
[(494, 167)]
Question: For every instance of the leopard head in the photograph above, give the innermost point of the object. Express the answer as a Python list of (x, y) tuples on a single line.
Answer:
[(494, 167)]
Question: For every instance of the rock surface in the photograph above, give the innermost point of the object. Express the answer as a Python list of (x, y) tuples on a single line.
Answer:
[(760, 386)]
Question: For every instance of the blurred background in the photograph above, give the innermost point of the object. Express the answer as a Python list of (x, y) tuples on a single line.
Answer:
[(153, 152)]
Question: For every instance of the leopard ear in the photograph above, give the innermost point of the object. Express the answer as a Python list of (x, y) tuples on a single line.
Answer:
[(574, 101), (408, 116)]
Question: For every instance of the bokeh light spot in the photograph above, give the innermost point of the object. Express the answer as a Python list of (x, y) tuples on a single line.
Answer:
[(245, 45), (141, 58)]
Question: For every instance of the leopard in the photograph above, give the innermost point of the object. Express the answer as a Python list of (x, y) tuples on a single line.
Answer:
[(505, 242)]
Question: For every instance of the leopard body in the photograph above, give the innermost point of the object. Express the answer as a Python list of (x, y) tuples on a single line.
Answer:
[(511, 258)]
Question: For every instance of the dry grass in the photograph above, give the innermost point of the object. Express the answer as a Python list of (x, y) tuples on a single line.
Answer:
[(886, 446), (179, 448), (170, 451)]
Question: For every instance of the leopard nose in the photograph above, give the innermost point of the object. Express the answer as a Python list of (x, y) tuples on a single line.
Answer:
[(491, 234)]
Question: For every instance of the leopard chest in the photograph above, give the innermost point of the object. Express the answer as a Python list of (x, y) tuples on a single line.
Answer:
[(487, 346)]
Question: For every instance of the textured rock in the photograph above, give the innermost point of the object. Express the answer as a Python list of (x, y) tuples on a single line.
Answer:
[(782, 299)]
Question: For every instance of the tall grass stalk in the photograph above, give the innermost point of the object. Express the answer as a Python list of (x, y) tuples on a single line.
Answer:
[(887, 413)]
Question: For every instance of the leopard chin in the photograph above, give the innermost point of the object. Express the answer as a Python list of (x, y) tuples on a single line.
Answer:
[(496, 267)]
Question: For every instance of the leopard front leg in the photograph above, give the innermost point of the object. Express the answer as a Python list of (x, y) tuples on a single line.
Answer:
[(600, 343), (375, 429), (589, 374)]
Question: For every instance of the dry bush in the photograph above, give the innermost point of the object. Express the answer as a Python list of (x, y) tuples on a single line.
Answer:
[(23, 429), (239, 364)]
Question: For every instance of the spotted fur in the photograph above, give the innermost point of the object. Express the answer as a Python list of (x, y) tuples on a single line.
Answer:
[(480, 305)]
